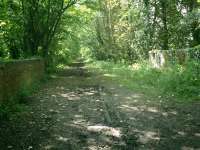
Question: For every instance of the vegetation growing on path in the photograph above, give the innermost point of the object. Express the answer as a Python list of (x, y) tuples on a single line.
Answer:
[(118, 100), (80, 109), (172, 83)]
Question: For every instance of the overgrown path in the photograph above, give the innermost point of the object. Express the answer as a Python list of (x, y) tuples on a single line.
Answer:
[(80, 109)]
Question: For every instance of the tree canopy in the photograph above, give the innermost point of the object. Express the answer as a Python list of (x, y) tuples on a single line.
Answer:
[(119, 30)]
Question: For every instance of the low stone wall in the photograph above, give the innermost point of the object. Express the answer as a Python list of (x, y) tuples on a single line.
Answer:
[(18, 75), (161, 58)]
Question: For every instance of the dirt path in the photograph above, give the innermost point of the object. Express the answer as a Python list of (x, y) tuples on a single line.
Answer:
[(80, 110)]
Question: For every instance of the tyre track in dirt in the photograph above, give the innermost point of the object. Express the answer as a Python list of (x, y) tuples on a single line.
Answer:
[(83, 110)]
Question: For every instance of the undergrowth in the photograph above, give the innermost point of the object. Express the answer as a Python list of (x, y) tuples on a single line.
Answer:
[(10, 110), (177, 82), (14, 106)]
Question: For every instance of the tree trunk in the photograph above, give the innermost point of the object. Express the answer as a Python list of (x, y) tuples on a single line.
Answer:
[(165, 37)]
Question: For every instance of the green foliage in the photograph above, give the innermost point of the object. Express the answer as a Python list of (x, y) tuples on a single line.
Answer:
[(179, 82), (29, 27), (110, 30), (121, 31), (127, 30), (25, 91), (74, 35), (10, 109)]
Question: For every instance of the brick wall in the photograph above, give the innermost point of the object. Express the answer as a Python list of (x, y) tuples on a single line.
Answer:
[(17, 75)]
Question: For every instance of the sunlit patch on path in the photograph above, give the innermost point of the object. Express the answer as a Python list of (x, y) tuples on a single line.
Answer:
[(78, 110), (105, 130)]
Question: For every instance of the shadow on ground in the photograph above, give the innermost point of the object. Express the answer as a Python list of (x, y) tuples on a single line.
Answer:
[(80, 110)]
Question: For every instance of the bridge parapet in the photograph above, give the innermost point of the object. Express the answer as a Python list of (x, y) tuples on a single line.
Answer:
[(162, 58)]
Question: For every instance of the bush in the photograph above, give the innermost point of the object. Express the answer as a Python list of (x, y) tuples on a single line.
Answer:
[(182, 81)]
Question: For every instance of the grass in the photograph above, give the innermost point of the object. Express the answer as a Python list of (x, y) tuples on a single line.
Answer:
[(174, 82)]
